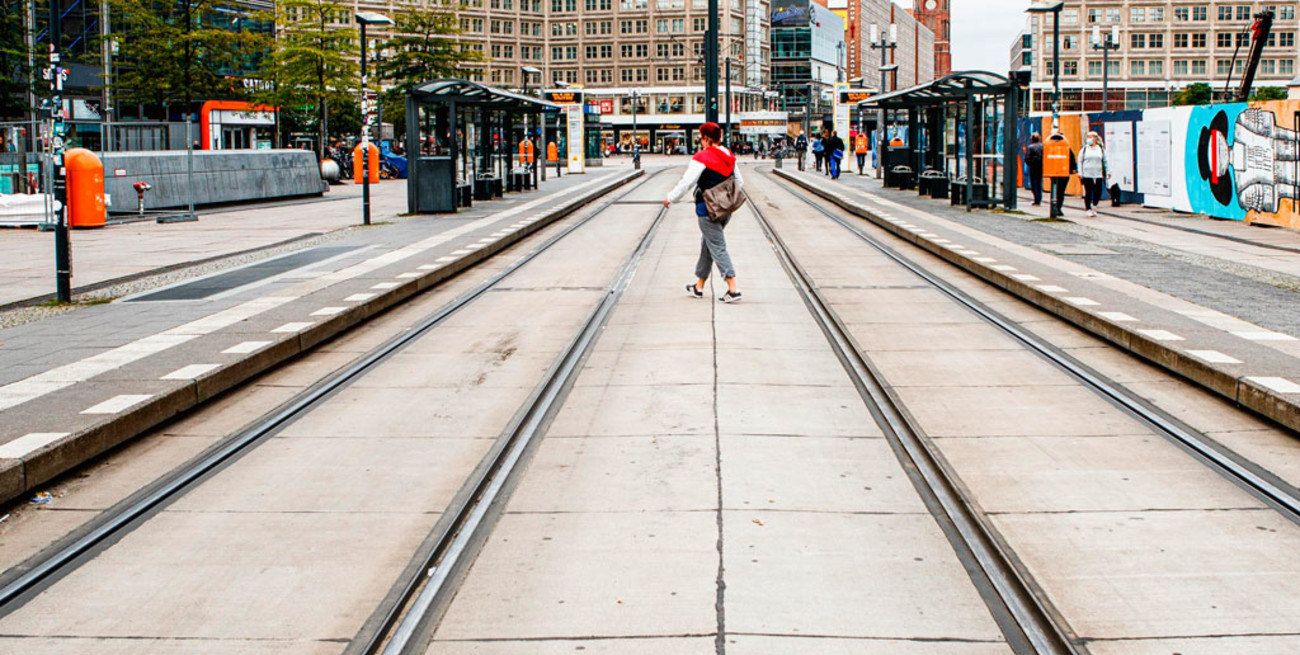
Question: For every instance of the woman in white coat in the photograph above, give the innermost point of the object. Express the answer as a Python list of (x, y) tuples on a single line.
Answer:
[(1092, 170)]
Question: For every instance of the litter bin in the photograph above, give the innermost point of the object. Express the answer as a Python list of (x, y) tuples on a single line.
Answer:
[(930, 181), (902, 177), (979, 192), (86, 207)]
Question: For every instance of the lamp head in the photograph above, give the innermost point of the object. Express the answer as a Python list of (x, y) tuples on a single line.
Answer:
[(1045, 6)]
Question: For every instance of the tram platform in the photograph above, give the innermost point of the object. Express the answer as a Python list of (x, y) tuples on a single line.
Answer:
[(80, 382), (560, 449), (1217, 311)]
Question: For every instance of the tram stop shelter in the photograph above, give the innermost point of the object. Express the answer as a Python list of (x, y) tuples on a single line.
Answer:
[(462, 142), (960, 139)]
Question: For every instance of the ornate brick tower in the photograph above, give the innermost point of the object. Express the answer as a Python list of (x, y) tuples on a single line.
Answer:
[(934, 14)]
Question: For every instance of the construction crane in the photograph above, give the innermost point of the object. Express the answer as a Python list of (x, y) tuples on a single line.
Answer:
[(1259, 32)]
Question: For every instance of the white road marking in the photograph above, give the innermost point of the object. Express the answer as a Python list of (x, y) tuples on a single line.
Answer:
[(1051, 288), (985, 260), (1213, 357), (359, 297), (444, 260), (408, 276), (117, 404), (1264, 335), (968, 252), (29, 443), (430, 267), (245, 347), (1161, 335), (1080, 301), (293, 327), (1118, 317), (1004, 267), (1280, 385), (1025, 277), (943, 241), (460, 252), (189, 372), (387, 285), (329, 311)]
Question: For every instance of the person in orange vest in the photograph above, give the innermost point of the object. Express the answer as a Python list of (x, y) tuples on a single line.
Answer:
[(860, 149), (1059, 164)]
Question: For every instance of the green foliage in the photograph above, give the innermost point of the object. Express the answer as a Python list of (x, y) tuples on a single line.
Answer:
[(1264, 93), (1199, 93), (423, 48), (314, 62), (14, 73), (175, 51)]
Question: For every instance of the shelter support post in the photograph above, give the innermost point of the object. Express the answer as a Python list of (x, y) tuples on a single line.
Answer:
[(1010, 148), (970, 149)]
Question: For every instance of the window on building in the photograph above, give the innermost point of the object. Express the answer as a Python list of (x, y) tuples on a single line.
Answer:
[(1200, 13), (1286, 67), (1182, 40), (1198, 67), (1094, 69), (1199, 40), (1137, 15), (1243, 12), (1268, 67), (1181, 67), (1136, 41), (571, 52), (1182, 14), (1155, 40), (1224, 40), (1225, 13), (634, 4), (699, 24), (1156, 67), (1068, 17), (1026, 41), (1069, 42), (642, 50), (1094, 15), (1137, 67), (1156, 14), (1069, 68), (1286, 39), (1026, 59), (1286, 12), (1112, 15)]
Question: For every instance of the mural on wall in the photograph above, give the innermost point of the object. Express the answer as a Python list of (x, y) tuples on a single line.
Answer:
[(1238, 161)]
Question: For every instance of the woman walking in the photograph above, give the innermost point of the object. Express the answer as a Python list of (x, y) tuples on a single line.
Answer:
[(711, 166), (1092, 170), (819, 152)]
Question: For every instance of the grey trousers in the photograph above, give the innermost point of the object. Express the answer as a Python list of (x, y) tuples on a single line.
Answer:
[(713, 249)]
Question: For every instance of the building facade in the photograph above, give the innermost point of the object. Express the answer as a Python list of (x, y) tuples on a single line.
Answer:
[(914, 56), (1163, 47), (808, 58), (936, 15)]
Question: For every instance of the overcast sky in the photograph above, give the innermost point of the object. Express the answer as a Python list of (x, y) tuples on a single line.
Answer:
[(982, 31)]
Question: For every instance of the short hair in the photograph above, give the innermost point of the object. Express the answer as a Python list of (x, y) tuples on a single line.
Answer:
[(1035, 138), (712, 131)]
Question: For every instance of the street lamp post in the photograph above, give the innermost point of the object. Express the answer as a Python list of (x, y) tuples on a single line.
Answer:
[(711, 38), (636, 141), (1106, 44), (884, 42), (1053, 7), (365, 18), (726, 133), (528, 72)]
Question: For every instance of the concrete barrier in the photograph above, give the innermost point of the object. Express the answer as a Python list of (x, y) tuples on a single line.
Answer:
[(219, 177)]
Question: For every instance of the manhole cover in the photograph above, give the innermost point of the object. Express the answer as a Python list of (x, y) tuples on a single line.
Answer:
[(1075, 249)]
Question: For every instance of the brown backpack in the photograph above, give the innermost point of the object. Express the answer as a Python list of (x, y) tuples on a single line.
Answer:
[(723, 199)]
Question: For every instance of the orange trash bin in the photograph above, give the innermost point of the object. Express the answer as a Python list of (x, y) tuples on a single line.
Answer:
[(86, 207), (1056, 156), (372, 162)]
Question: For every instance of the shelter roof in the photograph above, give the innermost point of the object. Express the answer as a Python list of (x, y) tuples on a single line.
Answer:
[(465, 92), (952, 88)]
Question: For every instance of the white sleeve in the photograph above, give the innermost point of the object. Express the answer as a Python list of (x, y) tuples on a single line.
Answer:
[(740, 181), (692, 175)]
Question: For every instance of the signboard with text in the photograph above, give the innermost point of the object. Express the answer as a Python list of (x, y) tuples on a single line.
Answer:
[(574, 137)]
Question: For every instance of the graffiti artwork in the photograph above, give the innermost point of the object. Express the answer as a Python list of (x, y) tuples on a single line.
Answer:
[(1238, 161)]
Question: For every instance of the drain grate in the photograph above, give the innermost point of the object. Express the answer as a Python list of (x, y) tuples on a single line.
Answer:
[(222, 282)]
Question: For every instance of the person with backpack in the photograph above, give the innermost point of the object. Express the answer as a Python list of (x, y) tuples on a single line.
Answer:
[(717, 181), (801, 148), (1092, 171), (819, 152), (834, 154), (1034, 162)]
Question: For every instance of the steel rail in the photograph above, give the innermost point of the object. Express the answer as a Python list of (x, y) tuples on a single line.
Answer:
[(1024, 617), (1264, 485), (132, 512), (458, 541)]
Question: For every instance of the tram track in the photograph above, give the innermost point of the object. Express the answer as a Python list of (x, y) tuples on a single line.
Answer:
[(1028, 623), (1249, 476), (29, 579)]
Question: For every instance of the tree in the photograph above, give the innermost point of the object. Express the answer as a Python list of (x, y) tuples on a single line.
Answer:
[(1268, 93), (1199, 93), (14, 71), (423, 48), (175, 51), (314, 63)]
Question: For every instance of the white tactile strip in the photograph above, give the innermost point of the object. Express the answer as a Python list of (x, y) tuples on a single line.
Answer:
[(1263, 335), (29, 443), (293, 327), (190, 372), (329, 311), (245, 347), (1080, 301), (360, 297), (118, 404), (1118, 317), (1213, 357), (1278, 385), (1161, 335)]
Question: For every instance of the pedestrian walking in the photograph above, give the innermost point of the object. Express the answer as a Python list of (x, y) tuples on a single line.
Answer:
[(860, 149), (819, 152), (1092, 170), (1034, 161), (835, 154), (801, 148), (714, 164)]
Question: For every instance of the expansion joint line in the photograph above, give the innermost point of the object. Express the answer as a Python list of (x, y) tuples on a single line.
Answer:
[(720, 641)]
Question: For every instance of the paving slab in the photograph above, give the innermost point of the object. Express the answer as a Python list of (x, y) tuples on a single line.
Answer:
[(781, 645), (1173, 324)]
